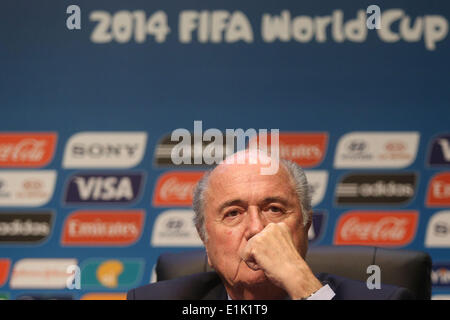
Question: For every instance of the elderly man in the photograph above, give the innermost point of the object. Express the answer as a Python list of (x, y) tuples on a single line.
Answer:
[(255, 231)]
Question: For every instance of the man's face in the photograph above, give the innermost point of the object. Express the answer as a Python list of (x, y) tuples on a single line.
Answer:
[(239, 203)]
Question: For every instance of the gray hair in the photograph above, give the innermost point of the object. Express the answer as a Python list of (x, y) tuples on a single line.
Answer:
[(299, 181)]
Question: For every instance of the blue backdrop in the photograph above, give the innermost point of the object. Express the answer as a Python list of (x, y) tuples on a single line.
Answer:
[(53, 79)]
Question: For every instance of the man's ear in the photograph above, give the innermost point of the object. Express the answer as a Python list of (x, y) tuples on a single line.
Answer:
[(207, 257), (307, 226), (306, 239), (209, 261)]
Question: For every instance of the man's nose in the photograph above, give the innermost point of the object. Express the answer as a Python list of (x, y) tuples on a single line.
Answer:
[(255, 222)]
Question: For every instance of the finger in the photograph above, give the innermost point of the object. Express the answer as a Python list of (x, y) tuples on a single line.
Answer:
[(246, 253), (252, 265), (283, 226), (285, 231), (248, 258)]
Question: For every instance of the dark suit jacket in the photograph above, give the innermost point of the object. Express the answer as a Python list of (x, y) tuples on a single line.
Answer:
[(208, 286)]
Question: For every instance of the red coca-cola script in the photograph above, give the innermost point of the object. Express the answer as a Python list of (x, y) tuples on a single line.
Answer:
[(26, 149), (176, 188), (383, 228)]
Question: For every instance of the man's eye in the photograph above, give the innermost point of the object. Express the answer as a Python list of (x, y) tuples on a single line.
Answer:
[(231, 214), (275, 209)]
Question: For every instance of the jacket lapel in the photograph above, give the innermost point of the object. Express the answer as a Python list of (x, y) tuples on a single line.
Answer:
[(216, 293)]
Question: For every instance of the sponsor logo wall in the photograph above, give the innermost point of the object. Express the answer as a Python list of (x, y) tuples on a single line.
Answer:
[(376, 228), (103, 228), (376, 189), (25, 227), (93, 184), (32, 150), (40, 273), (119, 209)]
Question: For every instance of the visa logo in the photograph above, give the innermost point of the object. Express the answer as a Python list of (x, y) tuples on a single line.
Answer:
[(100, 188), (439, 154), (445, 148), (316, 231), (103, 188)]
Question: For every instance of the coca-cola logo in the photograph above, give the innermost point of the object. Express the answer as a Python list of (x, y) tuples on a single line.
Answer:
[(4, 270), (31, 150), (388, 228), (26, 150), (176, 188), (376, 228)]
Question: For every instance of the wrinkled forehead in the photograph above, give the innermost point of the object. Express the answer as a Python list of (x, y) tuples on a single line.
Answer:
[(228, 175)]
